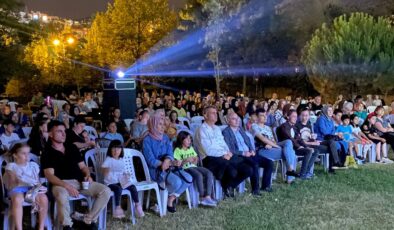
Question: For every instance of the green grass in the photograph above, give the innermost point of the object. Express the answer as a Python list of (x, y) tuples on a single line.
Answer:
[(352, 199)]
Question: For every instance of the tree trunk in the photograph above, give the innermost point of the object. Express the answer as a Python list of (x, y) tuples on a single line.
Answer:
[(244, 85)]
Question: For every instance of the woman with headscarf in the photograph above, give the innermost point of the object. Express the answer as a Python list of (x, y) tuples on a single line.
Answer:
[(158, 152), (325, 130)]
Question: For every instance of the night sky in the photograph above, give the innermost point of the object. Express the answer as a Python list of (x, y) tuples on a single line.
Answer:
[(76, 9)]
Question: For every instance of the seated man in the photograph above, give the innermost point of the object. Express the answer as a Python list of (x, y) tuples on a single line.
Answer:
[(8, 137), (112, 133), (288, 131), (139, 128), (231, 169), (239, 143), (65, 170)]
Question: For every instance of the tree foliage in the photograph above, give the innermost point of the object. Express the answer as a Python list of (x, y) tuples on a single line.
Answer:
[(352, 52), (126, 31)]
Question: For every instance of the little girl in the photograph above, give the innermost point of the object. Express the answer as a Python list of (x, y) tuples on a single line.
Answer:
[(201, 176), (20, 176), (113, 170)]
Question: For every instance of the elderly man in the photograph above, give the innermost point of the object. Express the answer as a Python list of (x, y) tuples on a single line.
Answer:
[(65, 170), (240, 144), (231, 169)]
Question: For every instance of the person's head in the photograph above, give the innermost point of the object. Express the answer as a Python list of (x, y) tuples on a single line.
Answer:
[(372, 120), (253, 117), (158, 101), (379, 111), (359, 107), (19, 108), (233, 120), (111, 127), (287, 108), (7, 109), (116, 113), (150, 104), (347, 107), (327, 110), (183, 140), (57, 132), (115, 149), (143, 116), (281, 104), (317, 100), (20, 153), (274, 96), (66, 107), (354, 120), (292, 116), (304, 115), (9, 126), (42, 125), (261, 116), (173, 116), (273, 106), (156, 125), (178, 104), (345, 119), (392, 106), (44, 109), (79, 124), (88, 97), (210, 114), (338, 114), (14, 117)]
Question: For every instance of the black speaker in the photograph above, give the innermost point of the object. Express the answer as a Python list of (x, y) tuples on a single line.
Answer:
[(119, 93)]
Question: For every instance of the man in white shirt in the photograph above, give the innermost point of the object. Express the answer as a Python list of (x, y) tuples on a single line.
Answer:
[(230, 169), (90, 103), (8, 137)]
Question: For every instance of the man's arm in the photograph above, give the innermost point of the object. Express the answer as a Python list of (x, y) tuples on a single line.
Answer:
[(85, 170)]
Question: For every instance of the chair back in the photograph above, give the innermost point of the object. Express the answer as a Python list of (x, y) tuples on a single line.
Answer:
[(251, 138), (180, 126), (100, 156), (4, 160), (22, 141), (91, 131), (371, 109), (90, 160), (128, 122), (27, 131), (129, 154), (184, 121), (194, 126), (103, 142), (197, 119)]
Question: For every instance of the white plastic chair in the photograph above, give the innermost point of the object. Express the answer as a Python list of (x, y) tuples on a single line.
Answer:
[(91, 131), (146, 185), (371, 109), (180, 126), (128, 122), (184, 121), (22, 141), (27, 131), (7, 219), (197, 119), (194, 126), (13, 105), (222, 127)]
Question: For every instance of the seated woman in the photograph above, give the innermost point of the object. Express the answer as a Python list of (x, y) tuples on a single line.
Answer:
[(39, 136), (267, 147), (368, 128), (383, 128), (157, 149), (20, 177), (74, 135), (325, 130), (111, 133)]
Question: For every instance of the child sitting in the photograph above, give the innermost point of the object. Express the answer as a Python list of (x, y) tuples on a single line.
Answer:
[(21, 176), (361, 138), (252, 119), (346, 130), (113, 171), (186, 153)]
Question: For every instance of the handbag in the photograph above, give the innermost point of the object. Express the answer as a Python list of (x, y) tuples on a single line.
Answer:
[(30, 196), (331, 137)]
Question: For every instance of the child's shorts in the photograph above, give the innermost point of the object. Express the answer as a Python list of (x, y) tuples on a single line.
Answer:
[(21, 189)]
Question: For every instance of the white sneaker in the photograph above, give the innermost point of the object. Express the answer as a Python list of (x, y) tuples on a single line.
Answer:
[(387, 160)]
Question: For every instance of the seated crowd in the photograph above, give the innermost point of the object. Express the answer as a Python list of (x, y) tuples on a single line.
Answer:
[(188, 140)]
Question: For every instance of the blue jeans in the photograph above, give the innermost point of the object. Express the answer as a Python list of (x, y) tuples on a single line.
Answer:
[(286, 153), (174, 183)]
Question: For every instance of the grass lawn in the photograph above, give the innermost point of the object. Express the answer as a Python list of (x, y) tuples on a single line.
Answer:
[(360, 198)]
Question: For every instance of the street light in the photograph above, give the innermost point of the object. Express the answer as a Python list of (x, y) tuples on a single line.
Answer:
[(70, 40), (56, 42)]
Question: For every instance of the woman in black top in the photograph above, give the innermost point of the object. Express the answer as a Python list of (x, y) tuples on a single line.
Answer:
[(38, 137)]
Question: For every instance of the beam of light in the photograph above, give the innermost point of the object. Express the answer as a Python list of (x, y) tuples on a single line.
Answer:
[(229, 72), (120, 74), (191, 46)]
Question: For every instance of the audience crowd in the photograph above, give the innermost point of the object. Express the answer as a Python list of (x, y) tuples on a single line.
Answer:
[(187, 140)]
